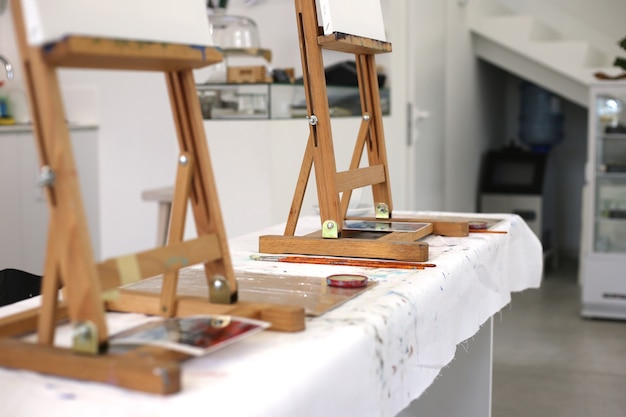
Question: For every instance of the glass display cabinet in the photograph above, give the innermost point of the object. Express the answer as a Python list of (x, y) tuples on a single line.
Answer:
[(603, 262)]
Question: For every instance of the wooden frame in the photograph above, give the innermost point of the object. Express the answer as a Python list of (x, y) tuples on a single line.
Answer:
[(319, 154), (70, 264)]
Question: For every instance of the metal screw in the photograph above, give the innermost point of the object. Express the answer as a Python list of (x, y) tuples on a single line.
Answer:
[(329, 230), (82, 331), (312, 120), (382, 211), (46, 176), (219, 290), (366, 117), (183, 160), (85, 337)]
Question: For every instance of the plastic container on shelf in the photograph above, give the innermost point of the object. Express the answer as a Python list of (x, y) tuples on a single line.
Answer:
[(228, 32), (609, 110), (541, 117)]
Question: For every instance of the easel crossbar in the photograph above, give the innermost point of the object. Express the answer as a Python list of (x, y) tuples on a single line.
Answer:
[(360, 177), (281, 317), (99, 53), (132, 268)]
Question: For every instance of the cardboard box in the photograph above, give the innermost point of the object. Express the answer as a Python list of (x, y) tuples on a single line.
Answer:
[(255, 74)]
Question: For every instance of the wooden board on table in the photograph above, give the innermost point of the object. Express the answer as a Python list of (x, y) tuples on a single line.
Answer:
[(399, 246), (308, 292), (453, 226), (157, 373), (440, 226)]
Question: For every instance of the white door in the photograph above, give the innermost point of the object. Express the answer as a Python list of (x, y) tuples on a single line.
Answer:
[(425, 86)]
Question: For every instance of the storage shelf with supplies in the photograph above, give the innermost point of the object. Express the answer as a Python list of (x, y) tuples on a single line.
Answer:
[(275, 101)]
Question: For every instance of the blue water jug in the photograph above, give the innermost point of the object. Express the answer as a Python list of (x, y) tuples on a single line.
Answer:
[(541, 117)]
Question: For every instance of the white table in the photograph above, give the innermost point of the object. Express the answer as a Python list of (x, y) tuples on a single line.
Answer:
[(371, 356)]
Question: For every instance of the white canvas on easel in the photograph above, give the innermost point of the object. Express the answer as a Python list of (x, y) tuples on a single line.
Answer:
[(355, 17), (172, 21)]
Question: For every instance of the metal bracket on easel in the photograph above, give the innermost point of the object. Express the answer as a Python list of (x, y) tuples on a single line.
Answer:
[(219, 291), (85, 338), (330, 230), (382, 211)]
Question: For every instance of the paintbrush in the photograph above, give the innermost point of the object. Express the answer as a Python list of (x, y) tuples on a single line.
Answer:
[(323, 260)]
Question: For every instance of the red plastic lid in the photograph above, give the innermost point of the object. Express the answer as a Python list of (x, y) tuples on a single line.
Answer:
[(346, 280), (474, 225)]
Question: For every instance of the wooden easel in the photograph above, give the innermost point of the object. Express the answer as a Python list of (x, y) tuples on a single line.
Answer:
[(89, 288), (332, 239)]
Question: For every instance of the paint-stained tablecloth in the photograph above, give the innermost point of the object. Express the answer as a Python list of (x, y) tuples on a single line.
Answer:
[(371, 356)]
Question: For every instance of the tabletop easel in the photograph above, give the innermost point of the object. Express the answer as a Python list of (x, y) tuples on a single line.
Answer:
[(90, 288), (332, 239)]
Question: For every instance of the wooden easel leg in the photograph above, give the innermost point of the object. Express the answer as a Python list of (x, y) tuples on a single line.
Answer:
[(50, 285), (298, 196), (177, 230), (73, 252), (71, 242), (204, 199), (319, 114), (370, 104)]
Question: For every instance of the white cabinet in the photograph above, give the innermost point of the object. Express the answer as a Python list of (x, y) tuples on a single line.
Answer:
[(603, 259), (24, 211), (10, 207)]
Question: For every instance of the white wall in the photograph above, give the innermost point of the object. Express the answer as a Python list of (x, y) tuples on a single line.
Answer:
[(137, 150), (600, 21), (465, 134), (24, 211)]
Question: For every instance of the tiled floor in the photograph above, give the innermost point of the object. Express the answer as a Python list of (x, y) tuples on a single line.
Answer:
[(550, 362)]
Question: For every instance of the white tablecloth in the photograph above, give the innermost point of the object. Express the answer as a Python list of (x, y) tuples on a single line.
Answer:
[(369, 357)]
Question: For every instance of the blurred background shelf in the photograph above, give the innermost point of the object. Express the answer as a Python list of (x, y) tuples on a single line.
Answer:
[(275, 101)]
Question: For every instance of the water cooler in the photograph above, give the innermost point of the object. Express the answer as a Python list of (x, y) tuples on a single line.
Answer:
[(521, 180)]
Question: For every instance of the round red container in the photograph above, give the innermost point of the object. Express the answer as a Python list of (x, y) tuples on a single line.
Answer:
[(346, 280)]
